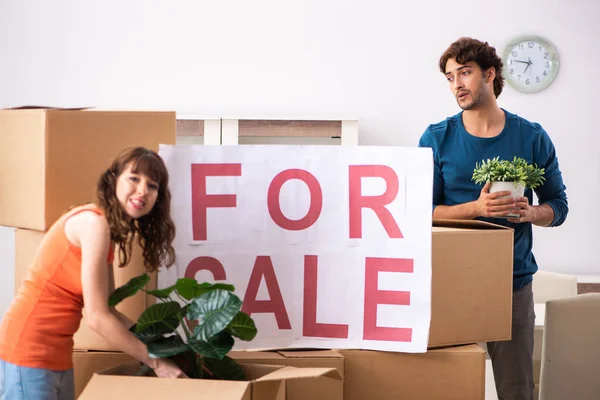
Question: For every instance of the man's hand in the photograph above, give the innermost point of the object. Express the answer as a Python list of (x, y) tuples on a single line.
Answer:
[(491, 205), (526, 212)]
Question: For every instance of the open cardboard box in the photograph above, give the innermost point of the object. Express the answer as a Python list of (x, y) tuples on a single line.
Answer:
[(315, 389), (87, 363), (472, 276), (265, 382)]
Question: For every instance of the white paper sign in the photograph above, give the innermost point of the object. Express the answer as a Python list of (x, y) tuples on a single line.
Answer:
[(327, 246)]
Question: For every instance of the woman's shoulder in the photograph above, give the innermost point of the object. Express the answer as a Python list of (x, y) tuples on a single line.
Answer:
[(86, 219)]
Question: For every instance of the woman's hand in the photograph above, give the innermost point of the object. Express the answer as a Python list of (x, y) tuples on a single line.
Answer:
[(165, 368)]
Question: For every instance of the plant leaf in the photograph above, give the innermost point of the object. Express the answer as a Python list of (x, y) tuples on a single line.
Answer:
[(242, 326), (159, 319), (226, 369), (128, 289), (216, 347), (214, 310), (166, 347), (162, 293), (189, 288)]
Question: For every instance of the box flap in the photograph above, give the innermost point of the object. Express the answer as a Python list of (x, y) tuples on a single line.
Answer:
[(311, 354), (46, 108), (129, 368), (287, 373), (255, 371), (466, 349), (463, 348), (467, 223), (103, 387), (253, 355)]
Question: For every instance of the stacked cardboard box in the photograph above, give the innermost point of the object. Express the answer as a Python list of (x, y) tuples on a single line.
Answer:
[(50, 160), (453, 373)]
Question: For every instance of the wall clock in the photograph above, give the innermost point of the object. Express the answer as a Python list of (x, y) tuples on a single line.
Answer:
[(530, 63)]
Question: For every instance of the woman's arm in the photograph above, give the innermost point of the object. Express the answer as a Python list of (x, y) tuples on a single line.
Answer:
[(127, 323), (93, 234)]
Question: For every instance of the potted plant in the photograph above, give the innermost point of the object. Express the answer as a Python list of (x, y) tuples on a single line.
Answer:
[(514, 176), (209, 319)]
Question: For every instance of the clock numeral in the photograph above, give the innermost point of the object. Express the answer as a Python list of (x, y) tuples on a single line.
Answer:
[(521, 46), (540, 48), (512, 71), (545, 72), (537, 79), (531, 45), (514, 53), (519, 77), (527, 81), (547, 64), (546, 55), (510, 61)]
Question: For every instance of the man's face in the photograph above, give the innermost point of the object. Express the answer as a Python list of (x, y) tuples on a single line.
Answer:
[(467, 83)]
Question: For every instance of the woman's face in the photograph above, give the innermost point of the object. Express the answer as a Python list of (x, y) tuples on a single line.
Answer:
[(136, 192)]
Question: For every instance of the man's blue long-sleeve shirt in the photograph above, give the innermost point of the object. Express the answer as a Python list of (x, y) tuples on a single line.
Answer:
[(455, 154)]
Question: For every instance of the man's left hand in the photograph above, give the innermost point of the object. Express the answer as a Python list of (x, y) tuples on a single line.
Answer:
[(525, 211)]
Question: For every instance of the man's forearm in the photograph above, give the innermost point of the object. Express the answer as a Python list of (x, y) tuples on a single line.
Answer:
[(543, 215), (459, 211)]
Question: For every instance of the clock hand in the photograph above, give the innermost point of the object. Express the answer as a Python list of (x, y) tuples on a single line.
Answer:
[(524, 62), (529, 63)]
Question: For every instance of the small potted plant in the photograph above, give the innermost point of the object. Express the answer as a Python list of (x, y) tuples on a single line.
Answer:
[(209, 319), (513, 176)]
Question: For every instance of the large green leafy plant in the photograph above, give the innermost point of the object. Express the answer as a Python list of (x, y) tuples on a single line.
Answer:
[(517, 171), (209, 319)]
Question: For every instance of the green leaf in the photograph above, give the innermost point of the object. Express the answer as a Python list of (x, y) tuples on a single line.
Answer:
[(159, 319), (226, 369), (517, 171), (166, 347), (189, 288), (214, 310), (162, 293), (128, 289), (215, 347), (242, 326)]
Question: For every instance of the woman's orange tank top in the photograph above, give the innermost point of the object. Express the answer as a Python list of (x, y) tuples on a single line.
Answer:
[(37, 330)]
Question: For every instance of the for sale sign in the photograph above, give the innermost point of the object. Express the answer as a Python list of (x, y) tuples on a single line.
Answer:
[(327, 246)]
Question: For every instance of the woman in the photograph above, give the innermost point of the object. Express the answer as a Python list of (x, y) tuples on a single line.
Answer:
[(73, 267)]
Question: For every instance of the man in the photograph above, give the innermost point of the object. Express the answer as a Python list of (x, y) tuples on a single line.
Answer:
[(483, 131)]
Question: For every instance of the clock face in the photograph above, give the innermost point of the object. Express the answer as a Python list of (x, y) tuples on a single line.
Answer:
[(530, 65)]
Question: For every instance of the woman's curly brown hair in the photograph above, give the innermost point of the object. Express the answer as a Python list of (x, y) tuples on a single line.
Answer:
[(467, 49), (155, 230)]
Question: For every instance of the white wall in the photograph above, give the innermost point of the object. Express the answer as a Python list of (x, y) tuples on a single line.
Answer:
[(373, 60)]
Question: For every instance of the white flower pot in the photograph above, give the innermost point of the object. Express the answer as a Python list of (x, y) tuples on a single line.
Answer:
[(516, 190)]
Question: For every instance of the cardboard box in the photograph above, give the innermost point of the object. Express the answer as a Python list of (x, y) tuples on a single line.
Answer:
[(314, 389), (26, 243), (87, 363), (50, 159), (472, 276), (266, 382), (456, 373)]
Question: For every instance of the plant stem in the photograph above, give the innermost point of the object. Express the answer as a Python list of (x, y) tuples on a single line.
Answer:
[(206, 370)]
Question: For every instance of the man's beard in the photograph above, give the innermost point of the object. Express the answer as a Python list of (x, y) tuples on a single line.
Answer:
[(476, 101)]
